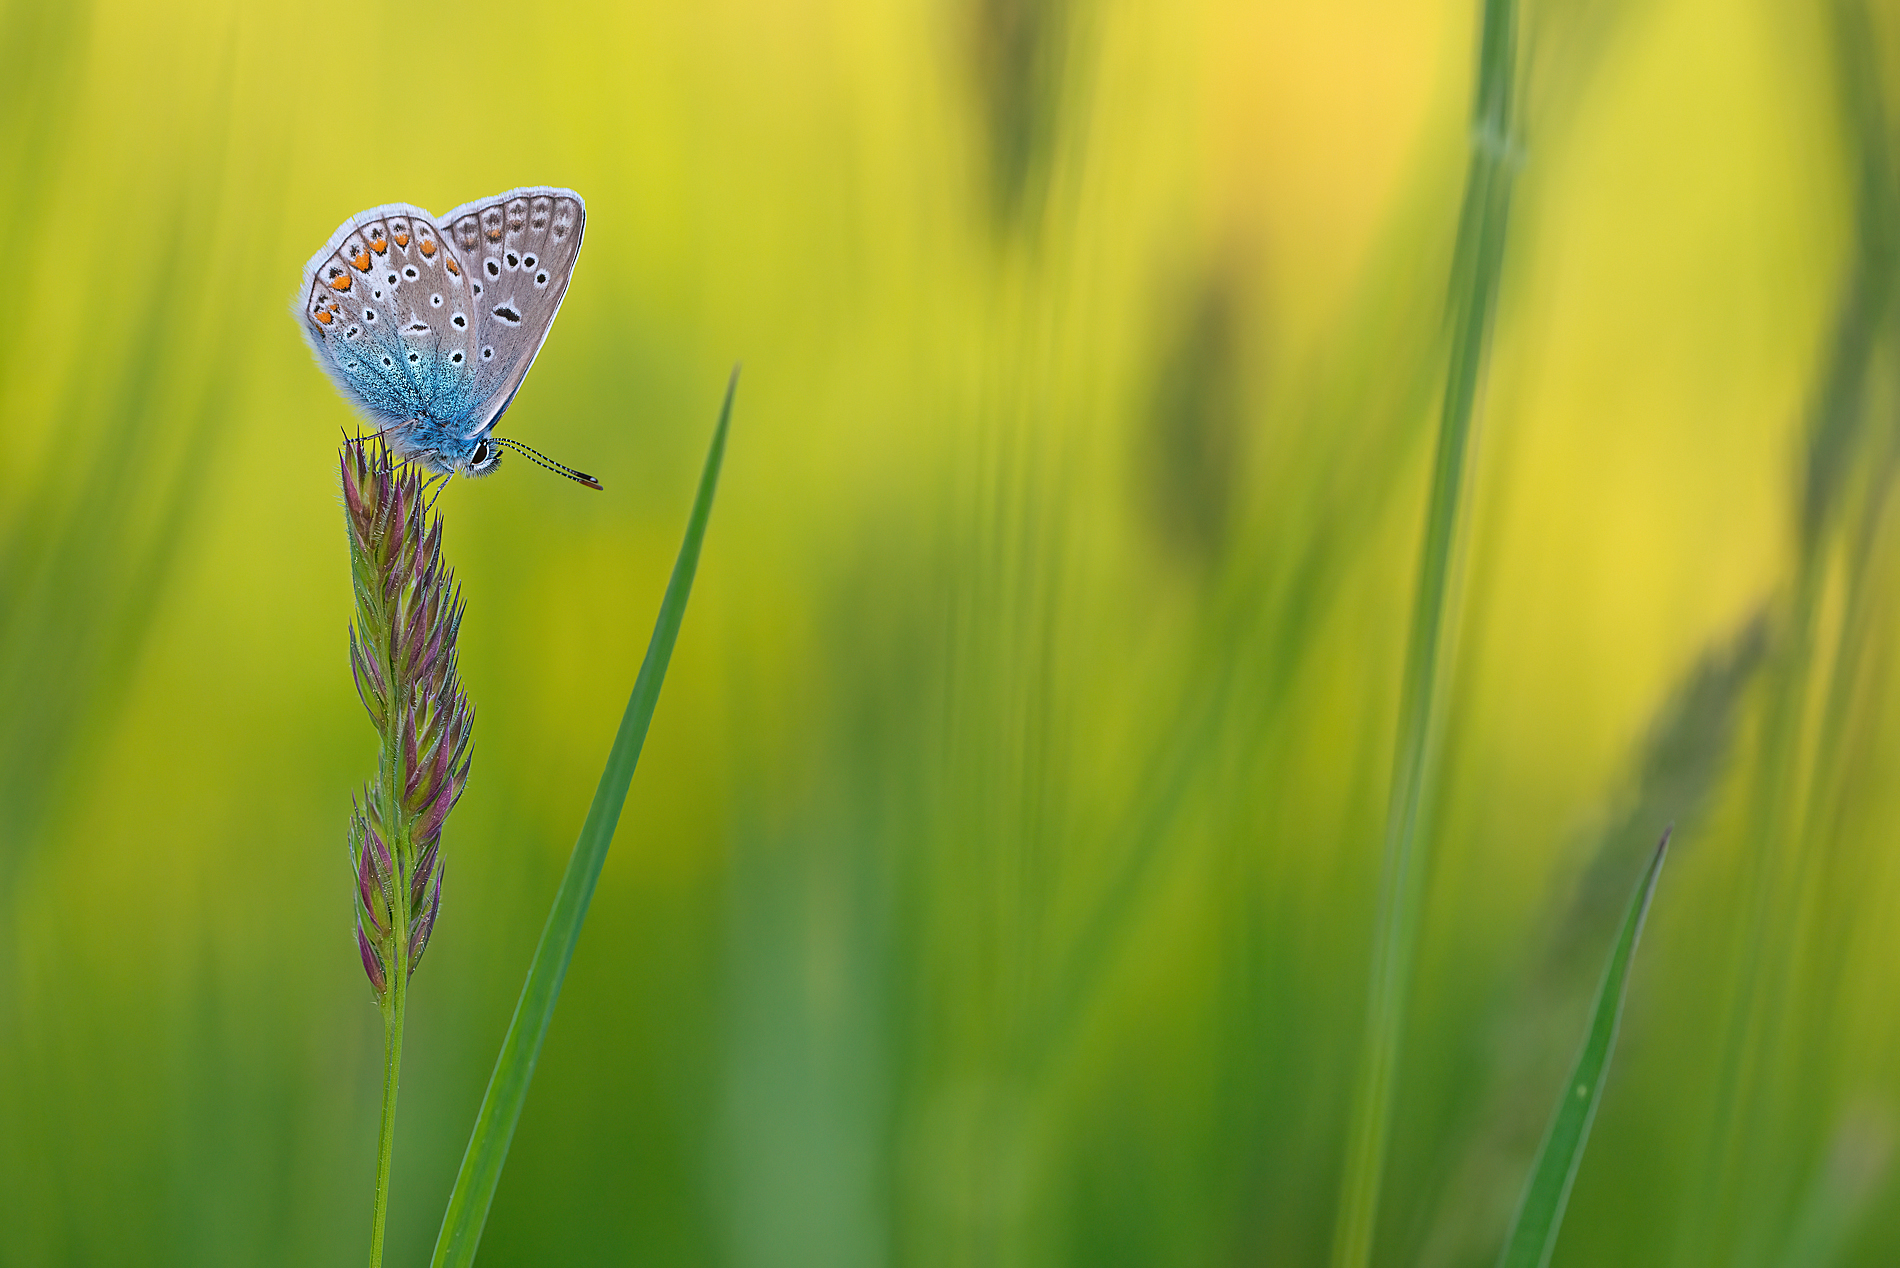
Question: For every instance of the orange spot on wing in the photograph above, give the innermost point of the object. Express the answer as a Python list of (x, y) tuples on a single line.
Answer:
[(361, 260), (452, 265), (324, 316), (428, 246), (402, 239), (341, 282), (377, 243)]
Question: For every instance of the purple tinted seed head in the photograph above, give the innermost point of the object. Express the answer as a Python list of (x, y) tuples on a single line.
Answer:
[(425, 923), (425, 868), (372, 964), (403, 660)]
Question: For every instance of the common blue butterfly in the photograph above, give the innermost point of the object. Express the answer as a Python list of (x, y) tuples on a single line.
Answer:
[(429, 331)]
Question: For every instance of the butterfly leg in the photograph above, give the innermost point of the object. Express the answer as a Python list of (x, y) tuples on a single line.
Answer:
[(441, 482)]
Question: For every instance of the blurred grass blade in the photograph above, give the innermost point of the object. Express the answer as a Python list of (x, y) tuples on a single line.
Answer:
[(1541, 1213), (1471, 300), (514, 1068)]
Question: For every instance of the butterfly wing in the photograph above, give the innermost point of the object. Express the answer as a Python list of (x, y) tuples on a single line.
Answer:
[(519, 248), (387, 308)]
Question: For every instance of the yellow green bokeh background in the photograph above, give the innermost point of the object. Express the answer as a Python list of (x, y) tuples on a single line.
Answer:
[(997, 886)]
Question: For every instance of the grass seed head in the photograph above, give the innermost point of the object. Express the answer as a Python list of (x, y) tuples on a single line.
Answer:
[(403, 661)]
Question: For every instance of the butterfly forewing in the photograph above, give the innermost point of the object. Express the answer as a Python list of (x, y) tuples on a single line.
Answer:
[(519, 248)]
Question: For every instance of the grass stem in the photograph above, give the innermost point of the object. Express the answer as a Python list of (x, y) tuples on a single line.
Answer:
[(389, 776), (1472, 299), (392, 1070)]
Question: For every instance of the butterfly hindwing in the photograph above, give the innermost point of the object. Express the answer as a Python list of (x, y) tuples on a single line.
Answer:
[(427, 323), (386, 307)]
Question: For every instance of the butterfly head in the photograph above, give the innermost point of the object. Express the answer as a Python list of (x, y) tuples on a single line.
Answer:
[(482, 459)]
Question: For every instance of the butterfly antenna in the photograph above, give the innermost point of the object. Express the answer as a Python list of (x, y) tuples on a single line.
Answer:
[(579, 477)]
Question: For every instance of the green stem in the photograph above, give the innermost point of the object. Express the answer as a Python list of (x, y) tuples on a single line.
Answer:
[(392, 1068), (396, 965), (1472, 298)]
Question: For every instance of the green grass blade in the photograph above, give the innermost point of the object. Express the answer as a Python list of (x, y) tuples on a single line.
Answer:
[(494, 1130), (1541, 1212)]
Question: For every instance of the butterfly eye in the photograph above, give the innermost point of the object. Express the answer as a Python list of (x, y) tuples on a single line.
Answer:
[(481, 453)]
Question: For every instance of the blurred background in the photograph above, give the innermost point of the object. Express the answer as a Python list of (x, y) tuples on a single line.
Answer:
[(998, 884)]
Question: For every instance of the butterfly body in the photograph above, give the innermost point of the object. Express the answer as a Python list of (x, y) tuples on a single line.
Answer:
[(429, 324)]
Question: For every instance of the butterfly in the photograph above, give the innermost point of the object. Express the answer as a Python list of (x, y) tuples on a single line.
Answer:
[(428, 324)]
